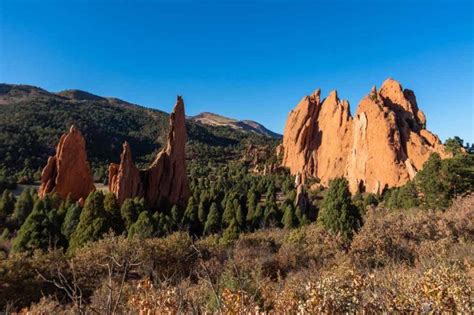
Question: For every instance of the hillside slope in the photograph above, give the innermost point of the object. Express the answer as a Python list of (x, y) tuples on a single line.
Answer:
[(33, 119), (211, 119)]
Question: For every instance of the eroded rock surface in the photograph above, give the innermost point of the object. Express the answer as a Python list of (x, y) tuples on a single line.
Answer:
[(382, 146), (68, 173), (165, 179)]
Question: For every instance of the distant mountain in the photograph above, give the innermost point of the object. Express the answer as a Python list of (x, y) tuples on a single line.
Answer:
[(32, 120), (211, 119)]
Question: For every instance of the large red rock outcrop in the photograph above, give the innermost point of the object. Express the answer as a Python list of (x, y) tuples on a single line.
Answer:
[(383, 145), (68, 172), (165, 179)]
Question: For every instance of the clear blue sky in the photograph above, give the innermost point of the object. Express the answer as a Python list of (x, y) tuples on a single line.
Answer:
[(246, 59)]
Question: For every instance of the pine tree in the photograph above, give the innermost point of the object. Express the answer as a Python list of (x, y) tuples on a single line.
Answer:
[(129, 212), (231, 233), (93, 221), (432, 185), (289, 218), (38, 232), (202, 212), (301, 217), (190, 217), (270, 218), (229, 213), (7, 206), (240, 217), (64, 206), (164, 223), (144, 227), (114, 213), (71, 220), (251, 205), (176, 216), (213, 220), (271, 194), (257, 219), (23, 207), (338, 214)]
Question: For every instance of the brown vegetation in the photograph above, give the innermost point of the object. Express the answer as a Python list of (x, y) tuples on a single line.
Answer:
[(410, 261)]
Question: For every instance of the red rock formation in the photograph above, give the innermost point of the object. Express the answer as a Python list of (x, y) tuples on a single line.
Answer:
[(68, 172), (124, 178), (165, 179), (384, 145)]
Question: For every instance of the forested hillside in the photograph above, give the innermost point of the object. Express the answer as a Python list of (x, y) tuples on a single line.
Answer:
[(32, 120)]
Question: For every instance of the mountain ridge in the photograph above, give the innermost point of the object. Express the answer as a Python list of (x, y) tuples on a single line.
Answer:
[(212, 119), (13, 93)]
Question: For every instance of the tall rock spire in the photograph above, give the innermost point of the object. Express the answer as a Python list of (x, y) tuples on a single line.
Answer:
[(166, 178), (124, 178), (68, 173)]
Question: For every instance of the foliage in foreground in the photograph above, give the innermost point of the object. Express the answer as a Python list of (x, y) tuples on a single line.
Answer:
[(399, 261)]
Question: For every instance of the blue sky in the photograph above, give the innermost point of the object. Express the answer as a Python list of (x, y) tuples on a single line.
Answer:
[(246, 59)]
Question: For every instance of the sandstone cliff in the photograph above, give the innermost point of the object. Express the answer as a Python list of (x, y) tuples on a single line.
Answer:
[(165, 179), (68, 173), (383, 145)]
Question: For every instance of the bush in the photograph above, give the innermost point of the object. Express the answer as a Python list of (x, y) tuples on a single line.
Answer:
[(338, 214), (93, 222)]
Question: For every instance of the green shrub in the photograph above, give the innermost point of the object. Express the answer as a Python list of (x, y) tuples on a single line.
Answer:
[(338, 214)]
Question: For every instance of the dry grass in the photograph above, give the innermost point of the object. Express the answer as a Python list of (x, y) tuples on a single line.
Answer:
[(412, 261)]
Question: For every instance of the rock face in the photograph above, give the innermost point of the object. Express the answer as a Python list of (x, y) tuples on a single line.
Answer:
[(382, 146), (124, 178), (165, 179), (68, 172)]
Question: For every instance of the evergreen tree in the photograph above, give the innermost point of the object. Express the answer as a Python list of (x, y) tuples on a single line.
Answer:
[(251, 205), (289, 218), (301, 217), (441, 180), (229, 213), (176, 216), (190, 218), (144, 227), (434, 188), (271, 215), (52, 204), (38, 232), (454, 145), (231, 233), (64, 206), (271, 195), (202, 212), (213, 220), (129, 212), (23, 207), (257, 219), (7, 206), (93, 221), (165, 224), (113, 211), (240, 217), (338, 214), (71, 220)]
